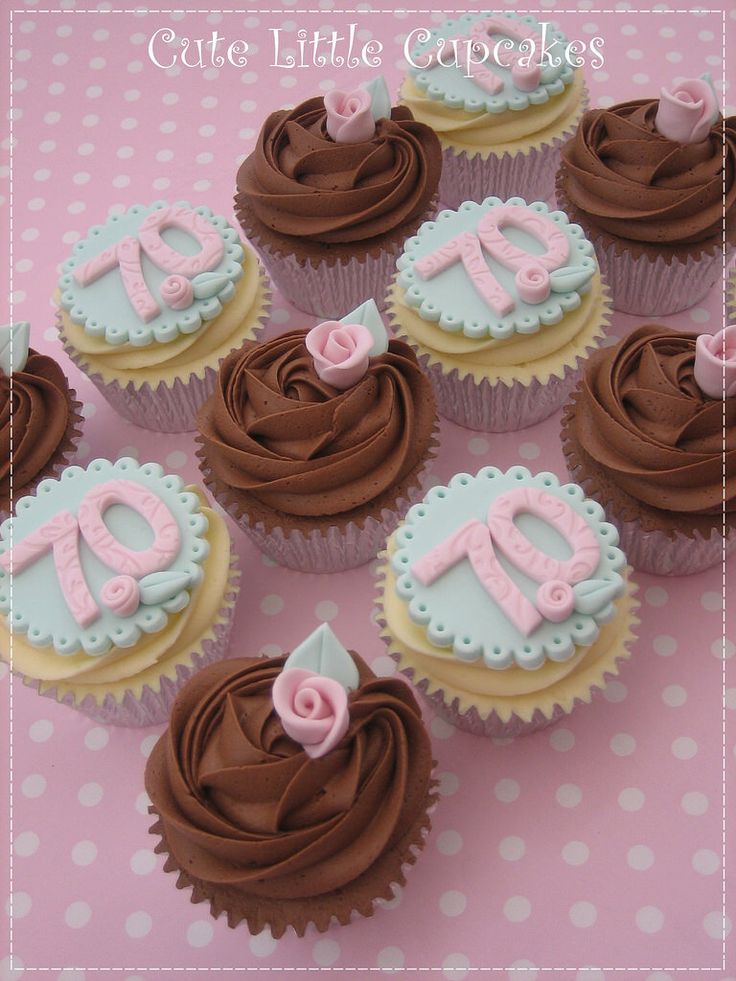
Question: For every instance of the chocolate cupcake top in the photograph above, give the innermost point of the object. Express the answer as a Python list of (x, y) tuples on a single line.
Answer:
[(353, 186), (643, 417), (278, 787), (622, 174), (294, 425)]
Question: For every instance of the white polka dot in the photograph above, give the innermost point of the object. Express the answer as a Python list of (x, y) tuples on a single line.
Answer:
[(96, 738), (143, 862), (441, 729), (640, 857), (453, 902), (706, 862), (562, 740), (478, 445), (271, 650), (147, 744), (26, 844), (666, 32), (623, 744), (716, 925), (568, 795), (41, 730), (262, 944), (449, 842), (90, 794), (723, 648), (455, 967), (684, 748), (18, 905), (694, 803), (272, 604), (200, 933), (177, 458), (615, 691), (138, 924), (649, 919), (517, 909), (656, 596), (383, 666), (8, 972), (576, 853), (511, 848), (583, 914), (631, 799), (33, 785), (449, 783), (84, 853), (664, 645), (326, 610), (589, 974), (281, 316), (712, 601), (629, 29), (674, 696), (390, 957), (78, 914), (699, 315), (731, 698), (325, 952)]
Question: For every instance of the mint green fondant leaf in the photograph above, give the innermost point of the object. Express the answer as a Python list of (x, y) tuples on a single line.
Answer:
[(209, 284), (570, 278), (160, 587), (323, 654), (592, 595), (380, 97), (21, 336), (367, 314)]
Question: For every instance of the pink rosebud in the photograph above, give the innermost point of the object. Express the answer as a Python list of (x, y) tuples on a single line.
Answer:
[(121, 594), (533, 283), (715, 363), (313, 709), (555, 600), (687, 114), (340, 352), (177, 292), (349, 116)]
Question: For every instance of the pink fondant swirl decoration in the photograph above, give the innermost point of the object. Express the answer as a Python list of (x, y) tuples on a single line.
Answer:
[(121, 594), (340, 352), (313, 709), (715, 363), (687, 113), (349, 116), (177, 292)]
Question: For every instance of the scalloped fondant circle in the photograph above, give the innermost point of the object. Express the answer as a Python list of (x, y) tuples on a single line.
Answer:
[(455, 609), (51, 622)]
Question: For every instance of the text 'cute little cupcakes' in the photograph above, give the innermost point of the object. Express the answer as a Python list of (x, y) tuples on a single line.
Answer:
[(316, 441), (653, 182), (505, 597), (292, 791), (502, 301), (40, 417), (330, 192), (500, 109), (117, 582), (152, 301), (651, 434)]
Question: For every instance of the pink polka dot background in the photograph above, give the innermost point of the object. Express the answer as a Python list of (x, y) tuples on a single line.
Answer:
[(593, 845)]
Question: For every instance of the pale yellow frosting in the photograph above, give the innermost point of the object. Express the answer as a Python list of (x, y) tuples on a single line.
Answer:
[(155, 655), (520, 358), (189, 353), (510, 132)]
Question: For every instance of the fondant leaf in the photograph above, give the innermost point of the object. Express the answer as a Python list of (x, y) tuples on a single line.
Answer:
[(21, 336), (209, 284), (159, 587), (323, 653), (380, 97), (367, 314), (593, 595), (569, 278)]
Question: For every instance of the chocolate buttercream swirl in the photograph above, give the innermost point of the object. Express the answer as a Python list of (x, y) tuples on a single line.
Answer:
[(262, 829), (642, 418), (299, 182), (41, 410), (634, 183), (274, 430)]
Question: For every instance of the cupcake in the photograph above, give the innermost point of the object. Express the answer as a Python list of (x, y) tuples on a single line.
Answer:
[(646, 181), (330, 192), (645, 434), (316, 441), (502, 301), (40, 418), (505, 598), (151, 302), (292, 791), (500, 118), (132, 607)]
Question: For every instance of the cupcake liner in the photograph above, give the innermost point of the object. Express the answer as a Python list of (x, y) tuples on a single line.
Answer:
[(153, 705)]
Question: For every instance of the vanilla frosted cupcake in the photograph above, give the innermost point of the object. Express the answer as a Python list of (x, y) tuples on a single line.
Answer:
[(505, 598), (137, 585), (152, 301), (503, 302), (500, 125)]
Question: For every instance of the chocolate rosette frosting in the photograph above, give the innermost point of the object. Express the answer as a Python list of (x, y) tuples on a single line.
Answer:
[(647, 438), (301, 184), (265, 832), (628, 180), (274, 434), (44, 420)]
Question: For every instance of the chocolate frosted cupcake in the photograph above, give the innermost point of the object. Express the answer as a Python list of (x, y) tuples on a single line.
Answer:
[(36, 400), (315, 441), (646, 181), (644, 434), (292, 791), (330, 192)]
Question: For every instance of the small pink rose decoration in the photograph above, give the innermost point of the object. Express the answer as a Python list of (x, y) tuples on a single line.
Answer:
[(349, 116), (687, 114), (121, 594), (533, 284), (555, 600), (340, 352), (177, 292), (715, 363), (313, 709)]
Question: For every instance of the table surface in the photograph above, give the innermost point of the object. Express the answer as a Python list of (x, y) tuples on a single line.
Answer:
[(597, 843)]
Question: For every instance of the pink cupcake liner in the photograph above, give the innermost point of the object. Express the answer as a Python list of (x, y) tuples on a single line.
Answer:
[(529, 174)]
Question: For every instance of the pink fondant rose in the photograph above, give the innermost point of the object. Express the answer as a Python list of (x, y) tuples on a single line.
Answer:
[(555, 600), (340, 352), (687, 114), (349, 116), (313, 709), (715, 363), (177, 292), (121, 594)]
